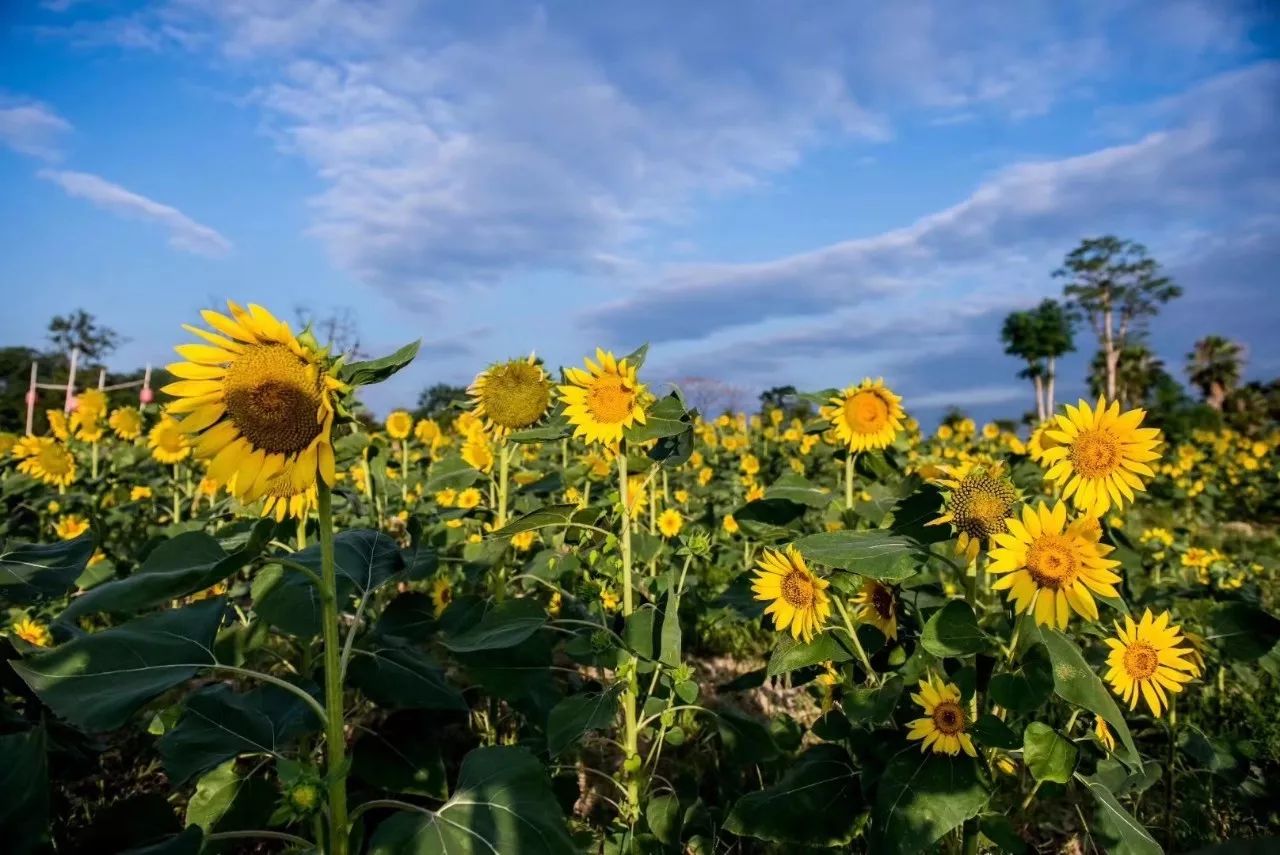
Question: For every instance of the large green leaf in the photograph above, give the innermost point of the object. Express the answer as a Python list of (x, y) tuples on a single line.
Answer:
[(794, 487), (1242, 631), (97, 681), (1027, 687), (1048, 754), (665, 418), (402, 755), (921, 797), (912, 515), (577, 714), (1131, 838), (953, 631), (521, 675), (790, 654), (367, 558), (507, 624), (875, 554), (403, 678), (815, 803), (34, 572), (376, 370), (24, 791), (548, 517), (503, 803), (451, 473), (1075, 681), (289, 601), (873, 705)]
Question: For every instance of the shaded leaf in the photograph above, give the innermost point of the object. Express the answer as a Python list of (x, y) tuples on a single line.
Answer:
[(814, 804), (577, 714), (921, 797), (790, 654), (1131, 837), (402, 755), (34, 572), (24, 791), (793, 487), (953, 631), (507, 624), (403, 678)]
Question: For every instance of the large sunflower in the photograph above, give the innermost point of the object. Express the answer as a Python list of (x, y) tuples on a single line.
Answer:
[(1147, 659), (1052, 567), (260, 401), (943, 728), (875, 604), (977, 504), (866, 416), (799, 597), (511, 395), (49, 461), (603, 401), (1101, 456)]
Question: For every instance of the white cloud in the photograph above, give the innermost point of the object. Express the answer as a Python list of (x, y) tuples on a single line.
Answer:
[(184, 233), (31, 127)]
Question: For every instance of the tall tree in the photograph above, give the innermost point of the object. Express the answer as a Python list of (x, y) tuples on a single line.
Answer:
[(1214, 366), (1139, 373), (1055, 337), (81, 331), (1117, 287), (1021, 339)]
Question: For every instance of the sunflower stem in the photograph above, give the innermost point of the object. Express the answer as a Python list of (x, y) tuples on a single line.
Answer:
[(848, 481), (857, 644), (404, 471), (335, 736), (631, 735), (177, 494), (504, 466)]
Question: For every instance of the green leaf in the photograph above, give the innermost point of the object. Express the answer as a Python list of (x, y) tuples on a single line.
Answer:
[(814, 804), (953, 631), (24, 791), (34, 572), (912, 515), (287, 600), (662, 813), (921, 797), (402, 755), (1048, 754), (368, 558), (665, 418), (507, 624), (1076, 682), (1242, 631), (768, 519), (745, 739), (669, 640), (188, 842), (552, 515), (215, 792), (577, 714), (790, 654), (98, 681), (1025, 689), (1129, 834), (994, 733), (376, 370), (403, 678), (874, 554), (503, 803), (1000, 831), (873, 705), (793, 487), (556, 427), (520, 675), (451, 473)]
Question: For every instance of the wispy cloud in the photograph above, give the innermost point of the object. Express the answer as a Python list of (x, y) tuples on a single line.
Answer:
[(31, 127), (184, 233)]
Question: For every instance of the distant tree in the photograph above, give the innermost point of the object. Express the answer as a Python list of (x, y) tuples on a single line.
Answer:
[(1055, 338), (953, 416), (1176, 413), (1140, 372), (1214, 366), (440, 402), (1021, 339), (81, 331), (787, 399), (704, 394), (1117, 288), (340, 329), (1254, 408)]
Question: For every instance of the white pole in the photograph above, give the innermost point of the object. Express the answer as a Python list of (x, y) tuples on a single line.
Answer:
[(71, 380), (31, 399), (145, 395), (102, 379)]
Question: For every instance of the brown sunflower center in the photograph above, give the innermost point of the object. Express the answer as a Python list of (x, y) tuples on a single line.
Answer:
[(272, 397), (1095, 453), (882, 602), (1140, 660), (980, 505), (948, 717), (610, 399), (797, 589), (866, 412), (1052, 561), (515, 395)]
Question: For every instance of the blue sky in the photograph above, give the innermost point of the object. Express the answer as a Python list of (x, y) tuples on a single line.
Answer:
[(770, 193)]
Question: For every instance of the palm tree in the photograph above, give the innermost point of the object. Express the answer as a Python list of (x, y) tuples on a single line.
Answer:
[(1214, 366), (1138, 373)]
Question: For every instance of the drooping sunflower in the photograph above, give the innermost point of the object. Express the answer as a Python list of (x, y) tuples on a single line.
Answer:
[(945, 722), (875, 604), (32, 632), (127, 423), (48, 461), (70, 526), (1148, 659), (512, 395), (260, 400), (399, 424), (670, 522), (1051, 567), (1101, 456), (1104, 734), (603, 401), (799, 598), (168, 442), (866, 416), (977, 504)]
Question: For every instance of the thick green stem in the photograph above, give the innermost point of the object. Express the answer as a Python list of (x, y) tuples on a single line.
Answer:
[(848, 481), (404, 471), (857, 644), (631, 738), (335, 735), (504, 466), (177, 494)]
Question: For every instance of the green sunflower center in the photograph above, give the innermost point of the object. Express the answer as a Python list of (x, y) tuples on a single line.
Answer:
[(1053, 561), (514, 395), (948, 717), (1095, 453), (272, 397), (797, 589), (1140, 660)]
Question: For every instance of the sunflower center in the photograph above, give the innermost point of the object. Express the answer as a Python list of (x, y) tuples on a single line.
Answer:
[(1052, 561), (1095, 453), (610, 399), (1140, 660), (797, 589), (54, 460), (948, 717), (882, 602), (515, 395), (866, 412), (272, 397)]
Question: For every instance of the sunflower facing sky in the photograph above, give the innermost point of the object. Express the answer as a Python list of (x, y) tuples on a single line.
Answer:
[(1053, 568), (977, 504), (1101, 455), (603, 401), (943, 728), (799, 598), (866, 416), (511, 395), (1147, 659), (259, 401)]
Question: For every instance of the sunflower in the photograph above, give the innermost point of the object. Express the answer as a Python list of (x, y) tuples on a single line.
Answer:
[(127, 423), (399, 424), (261, 401), (1146, 658), (48, 461), (523, 541), (7, 442), (1102, 456), (603, 401), (729, 524), (943, 728), (670, 522), (441, 595), (866, 416), (58, 424), (168, 442), (469, 498), (977, 505), (875, 604), (1104, 734), (32, 632), (281, 501), (511, 395), (799, 597), (1052, 567), (426, 431), (70, 526), (139, 493), (477, 452)]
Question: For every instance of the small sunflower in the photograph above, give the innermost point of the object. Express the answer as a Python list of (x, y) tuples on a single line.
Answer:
[(799, 598), (469, 498), (977, 505), (259, 401), (670, 522), (943, 728), (70, 526), (478, 453), (58, 424), (1147, 659), (127, 423), (48, 461), (866, 416), (441, 595), (1102, 456), (603, 401), (729, 524), (511, 395), (32, 632), (1051, 567), (875, 604), (168, 442), (1104, 734), (426, 431), (399, 424)]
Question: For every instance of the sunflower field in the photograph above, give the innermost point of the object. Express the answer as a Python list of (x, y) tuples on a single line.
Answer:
[(577, 616)]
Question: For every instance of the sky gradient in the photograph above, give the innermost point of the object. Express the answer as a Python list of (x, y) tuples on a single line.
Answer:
[(769, 193)]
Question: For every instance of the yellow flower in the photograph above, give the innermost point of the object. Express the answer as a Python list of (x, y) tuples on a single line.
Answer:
[(609, 600), (426, 431), (127, 423), (1146, 659), (670, 522), (32, 632), (168, 442), (799, 598), (469, 498), (977, 506), (399, 424), (139, 493), (990, 430), (258, 401), (454, 523), (441, 595), (603, 401), (682, 496), (477, 451), (1103, 732), (511, 395), (1102, 455), (945, 432), (875, 604), (866, 416), (282, 500), (1052, 567), (730, 524), (755, 493), (523, 541), (750, 464), (58, 424), (447, 497), (49, 462), (945, 722)]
